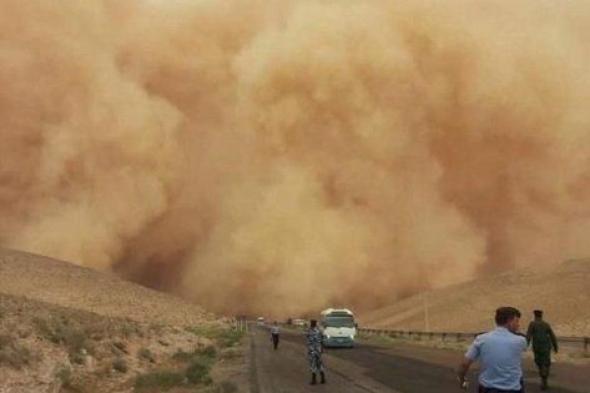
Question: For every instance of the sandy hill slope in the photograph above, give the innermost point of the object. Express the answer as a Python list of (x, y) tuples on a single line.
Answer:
[(64, 328), (64, 284), (564, 294)]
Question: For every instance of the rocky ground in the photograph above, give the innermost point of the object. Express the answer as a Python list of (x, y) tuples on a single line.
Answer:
[(46, 348), (68, 329)]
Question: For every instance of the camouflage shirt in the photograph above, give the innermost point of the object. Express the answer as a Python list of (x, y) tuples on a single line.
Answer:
[(314, 340)]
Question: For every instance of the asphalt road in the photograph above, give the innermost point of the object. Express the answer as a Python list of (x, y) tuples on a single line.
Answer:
[(368, 368)]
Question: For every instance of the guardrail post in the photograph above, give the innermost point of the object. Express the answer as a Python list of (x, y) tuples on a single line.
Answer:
[(586, 344)]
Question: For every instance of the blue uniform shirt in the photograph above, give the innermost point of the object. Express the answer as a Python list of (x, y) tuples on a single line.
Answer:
[(500, 355)]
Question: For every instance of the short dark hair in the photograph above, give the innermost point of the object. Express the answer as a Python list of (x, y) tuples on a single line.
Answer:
[(506, 314), (538, 313), (313, 323)]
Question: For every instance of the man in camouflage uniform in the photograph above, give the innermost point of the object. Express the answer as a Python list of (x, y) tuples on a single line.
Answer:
[(314, 352), (543, 339)]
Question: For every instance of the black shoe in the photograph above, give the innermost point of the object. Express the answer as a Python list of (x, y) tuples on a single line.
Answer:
[(313, 379), (544, 385), (322, 377)]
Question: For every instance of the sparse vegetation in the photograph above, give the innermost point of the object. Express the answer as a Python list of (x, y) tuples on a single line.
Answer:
[(146, 354), (223, 387), (129, 328), (68, 333), (228, 387), (120, 365), (231, 353), (208, 353), (86, 351), (156, 328), (75, 382), (64, 374), (229, 338), (13, 354), (198, 371), (105, 344), (199, 362), (224, 337), (162, 380), (119, 347)]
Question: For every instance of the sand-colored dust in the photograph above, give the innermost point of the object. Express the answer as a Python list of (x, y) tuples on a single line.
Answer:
[(269, 155)]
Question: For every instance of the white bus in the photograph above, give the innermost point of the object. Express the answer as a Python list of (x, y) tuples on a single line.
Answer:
[(338, 327)]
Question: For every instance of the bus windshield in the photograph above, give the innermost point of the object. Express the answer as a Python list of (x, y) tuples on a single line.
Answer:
[(344, 321)]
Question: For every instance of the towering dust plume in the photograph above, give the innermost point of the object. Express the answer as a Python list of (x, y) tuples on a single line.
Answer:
[(285, 155)]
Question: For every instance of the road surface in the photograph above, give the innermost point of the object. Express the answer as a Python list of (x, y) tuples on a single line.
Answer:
[(372, 369)]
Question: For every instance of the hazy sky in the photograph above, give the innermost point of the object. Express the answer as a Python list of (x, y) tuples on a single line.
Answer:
[(288, 155)]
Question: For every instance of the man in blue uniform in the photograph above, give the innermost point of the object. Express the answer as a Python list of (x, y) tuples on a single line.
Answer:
[(499, 353), (314, 352)]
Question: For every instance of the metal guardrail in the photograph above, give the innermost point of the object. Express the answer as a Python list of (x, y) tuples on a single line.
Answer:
[(582, 342), (569, 342)]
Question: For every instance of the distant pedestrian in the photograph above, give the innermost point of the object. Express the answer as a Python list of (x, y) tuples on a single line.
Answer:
[(499, 353), (543, 339), (314, 352), (274, 335)]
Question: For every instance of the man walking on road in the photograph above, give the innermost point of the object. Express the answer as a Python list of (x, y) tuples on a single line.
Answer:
[(314, 352), (499, 353), (274, 335), (543, 339)]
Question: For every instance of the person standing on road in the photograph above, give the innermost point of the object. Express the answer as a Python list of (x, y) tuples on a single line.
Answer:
[(543, 339), (499, 353), (274, 335), (314, 352)]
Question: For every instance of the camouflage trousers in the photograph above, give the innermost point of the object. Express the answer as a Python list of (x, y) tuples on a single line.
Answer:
[(316, 365)]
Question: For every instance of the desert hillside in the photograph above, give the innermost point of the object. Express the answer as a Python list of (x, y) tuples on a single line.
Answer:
[(64, 328), (61, 283), (564, 294)]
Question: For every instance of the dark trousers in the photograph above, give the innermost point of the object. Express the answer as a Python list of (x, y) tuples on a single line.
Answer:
[(275, 341), (483, 389), (543, 362)]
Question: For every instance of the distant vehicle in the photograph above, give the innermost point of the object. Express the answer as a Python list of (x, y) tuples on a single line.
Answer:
[(338, 327), (260, 321), (299, 322)]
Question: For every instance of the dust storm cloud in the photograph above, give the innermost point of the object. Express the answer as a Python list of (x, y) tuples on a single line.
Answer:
[(286, 155)]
